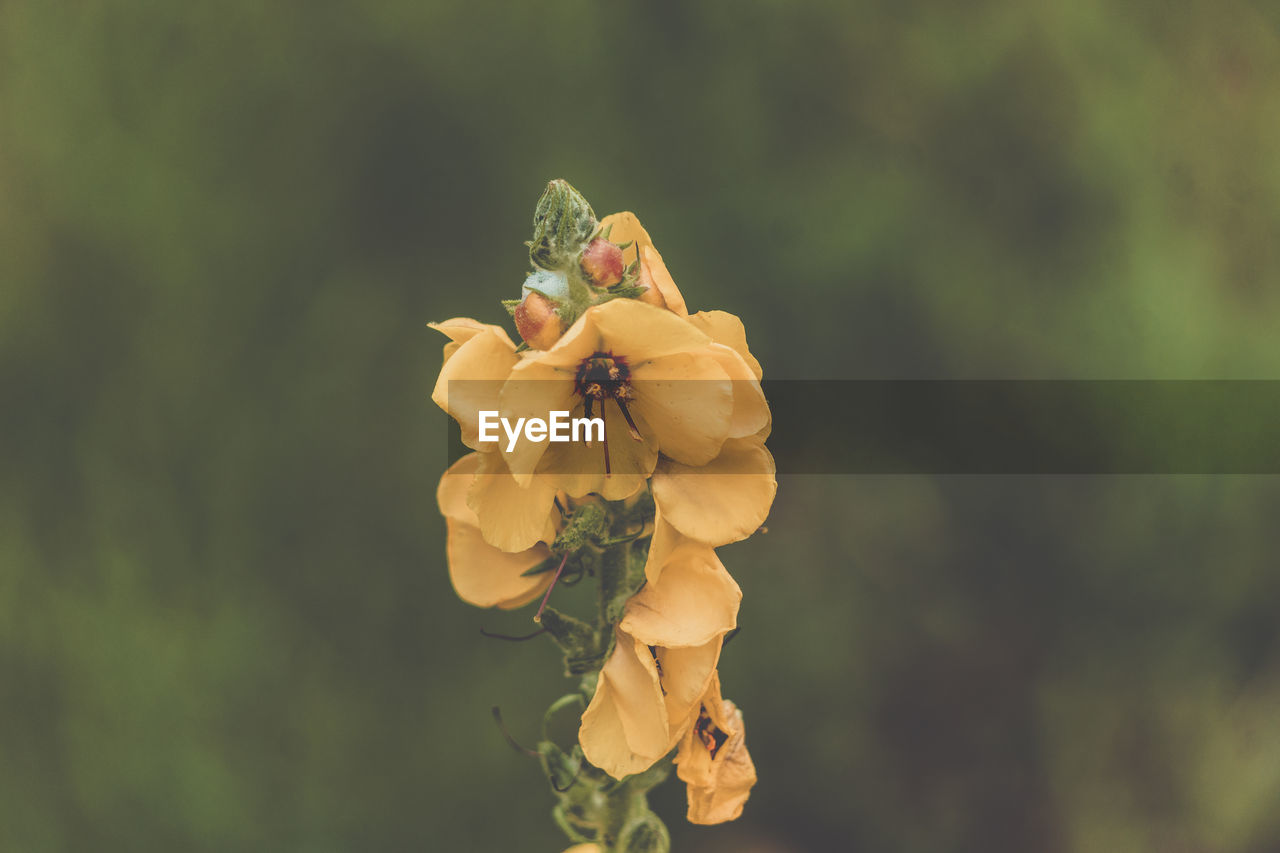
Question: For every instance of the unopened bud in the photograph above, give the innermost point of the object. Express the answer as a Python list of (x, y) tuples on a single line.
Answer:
[(562, 222), (602, 263), (537, 321)]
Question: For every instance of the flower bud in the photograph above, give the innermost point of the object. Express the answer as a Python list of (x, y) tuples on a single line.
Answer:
[(602, 263), (562, 222), (537, 321)]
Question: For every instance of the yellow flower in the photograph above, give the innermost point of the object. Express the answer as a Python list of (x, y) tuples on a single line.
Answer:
[(480, 355), (659, 383), (482, 574), (660, 288), (713, 760), (584, 848), (667, 647)]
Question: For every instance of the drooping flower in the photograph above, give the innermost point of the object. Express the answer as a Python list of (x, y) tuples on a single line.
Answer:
[(665, 654), (713, 760), (482, 574), (659, 383)]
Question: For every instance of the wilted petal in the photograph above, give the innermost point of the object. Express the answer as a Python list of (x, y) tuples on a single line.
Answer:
[(713, 761), (694, 601), (624, 729), (723, 501)]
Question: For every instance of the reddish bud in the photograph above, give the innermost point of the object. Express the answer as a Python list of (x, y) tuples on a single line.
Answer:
[(602, 262), (537, 321)]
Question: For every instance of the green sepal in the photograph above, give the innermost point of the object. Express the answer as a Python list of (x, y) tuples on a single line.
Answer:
[(511, 305), (626, 291), (587, 524), (579, 641), (548, 565)]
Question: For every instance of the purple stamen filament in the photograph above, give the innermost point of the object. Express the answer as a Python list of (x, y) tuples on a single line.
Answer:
[(537, 617)]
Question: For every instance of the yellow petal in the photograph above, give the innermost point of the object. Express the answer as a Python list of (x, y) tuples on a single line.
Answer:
[(724, 328), (686, 674), (581, 340), (654, 273), (664, 541), (451, 494), (471, 379), (723, 501), (482, 574), (578, 468), (624, 729), (687, 400), (626, 228), (511, 517), (641, 332), (486, 577), (750, 410), (533, 390), (462, 329), (694, 601), (584, 848)]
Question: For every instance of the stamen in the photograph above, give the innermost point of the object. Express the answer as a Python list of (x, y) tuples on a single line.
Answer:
[(537, 617), (605, 433), (710, 734), (631, 425), (497, 715)]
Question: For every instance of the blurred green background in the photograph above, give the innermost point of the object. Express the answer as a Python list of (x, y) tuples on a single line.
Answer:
[(225, 621)]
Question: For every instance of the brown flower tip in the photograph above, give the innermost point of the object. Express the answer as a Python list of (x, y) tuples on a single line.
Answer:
[(537, 321), (602, 263)]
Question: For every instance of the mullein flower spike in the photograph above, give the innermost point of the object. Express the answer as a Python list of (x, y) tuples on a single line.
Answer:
[(679, 468)]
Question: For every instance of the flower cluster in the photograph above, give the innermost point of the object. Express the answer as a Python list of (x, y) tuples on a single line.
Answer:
[(680, 469)]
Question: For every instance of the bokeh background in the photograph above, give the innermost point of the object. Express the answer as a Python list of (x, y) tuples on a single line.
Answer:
[(225, 620)]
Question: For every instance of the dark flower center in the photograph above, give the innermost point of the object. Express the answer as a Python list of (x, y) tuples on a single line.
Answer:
[(710, 735), (601, 377)]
